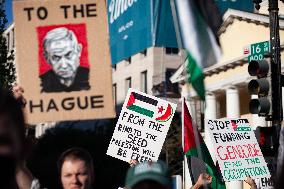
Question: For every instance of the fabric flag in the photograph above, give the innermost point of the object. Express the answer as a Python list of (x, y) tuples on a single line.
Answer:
[(190, 149), (198, 28)]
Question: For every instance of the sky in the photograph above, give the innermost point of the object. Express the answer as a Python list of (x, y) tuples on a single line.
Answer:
[(9, 13)]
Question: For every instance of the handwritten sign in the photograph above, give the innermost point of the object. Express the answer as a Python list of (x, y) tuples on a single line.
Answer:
[(264, 183), (236, 149), (141, 128)]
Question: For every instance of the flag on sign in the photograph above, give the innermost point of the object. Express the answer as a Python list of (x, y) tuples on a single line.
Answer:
[(191, 149), (149, 107), (134, 97), (198, 25)]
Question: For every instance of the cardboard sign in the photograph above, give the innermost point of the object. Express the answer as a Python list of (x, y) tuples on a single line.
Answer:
[(63, 59), (236, 149), (141, 128)]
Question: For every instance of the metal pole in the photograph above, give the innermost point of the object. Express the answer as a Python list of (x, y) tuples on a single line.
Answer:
[(276, 86), (275, 63)]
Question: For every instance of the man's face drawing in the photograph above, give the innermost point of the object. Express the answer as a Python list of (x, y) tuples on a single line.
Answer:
[(63, 52)]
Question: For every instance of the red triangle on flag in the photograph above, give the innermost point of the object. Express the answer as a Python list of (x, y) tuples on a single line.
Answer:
[(131, 100)]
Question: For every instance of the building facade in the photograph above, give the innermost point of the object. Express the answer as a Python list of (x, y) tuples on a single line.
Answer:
[(227, 81), (9, 34), (148, 71)]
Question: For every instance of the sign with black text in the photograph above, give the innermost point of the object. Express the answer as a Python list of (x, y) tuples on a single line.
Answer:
[(141, 128), (62, 58)]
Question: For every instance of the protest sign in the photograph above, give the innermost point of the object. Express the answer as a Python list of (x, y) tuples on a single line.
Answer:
[(264, 183), (141, 128), (236, 149), (63, 58)]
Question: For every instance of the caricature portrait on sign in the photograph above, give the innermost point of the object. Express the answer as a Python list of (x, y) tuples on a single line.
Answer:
[(63, 58)]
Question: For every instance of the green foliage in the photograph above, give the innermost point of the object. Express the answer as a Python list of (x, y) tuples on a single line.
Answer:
[(7, 68)]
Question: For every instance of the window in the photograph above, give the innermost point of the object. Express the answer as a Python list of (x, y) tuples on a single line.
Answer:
[(127, 84), (113, 67), (144, 81), (128, 61), (172, 51), (171, 87), (143, 53), (13, 38), (114, 93), (8, 41)]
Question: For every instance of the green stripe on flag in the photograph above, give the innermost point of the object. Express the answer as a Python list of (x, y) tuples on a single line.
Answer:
[(210, 166), (140, 110), (196, 76)]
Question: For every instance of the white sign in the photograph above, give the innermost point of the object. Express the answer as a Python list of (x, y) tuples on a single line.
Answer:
[(264, 183), (236, 149), (141, 128)]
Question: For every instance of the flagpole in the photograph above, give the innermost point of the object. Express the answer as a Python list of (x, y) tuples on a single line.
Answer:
[(179, 41), (182, 97), (182, 139)]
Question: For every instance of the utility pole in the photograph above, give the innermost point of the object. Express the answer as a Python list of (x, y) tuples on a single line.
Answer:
[(275, 63), (276, 85)]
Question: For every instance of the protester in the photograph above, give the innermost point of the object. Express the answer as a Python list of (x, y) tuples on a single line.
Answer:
[(76, 169), (251, 182), (133, 162), (148, 175), (203, 180), (14, 173)]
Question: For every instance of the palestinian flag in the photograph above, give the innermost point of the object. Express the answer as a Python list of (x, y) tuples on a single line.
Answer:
[(149, 107), (190, 149), (198, 23)]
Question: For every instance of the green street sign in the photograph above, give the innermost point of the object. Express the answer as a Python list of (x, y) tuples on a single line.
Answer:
[(257, 51)]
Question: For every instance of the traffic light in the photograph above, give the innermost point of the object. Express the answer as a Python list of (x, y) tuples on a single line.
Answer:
[(261, 87), (267, 140)]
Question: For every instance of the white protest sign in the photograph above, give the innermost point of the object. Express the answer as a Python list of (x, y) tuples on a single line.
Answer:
[(236, 149), (141, 128), (264, 183)]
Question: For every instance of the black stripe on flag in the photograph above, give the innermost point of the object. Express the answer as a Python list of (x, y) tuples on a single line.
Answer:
[(145, 99)]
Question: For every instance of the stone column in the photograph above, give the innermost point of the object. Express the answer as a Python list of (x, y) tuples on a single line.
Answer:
[(232, 103), (233, 111), (210, 113)]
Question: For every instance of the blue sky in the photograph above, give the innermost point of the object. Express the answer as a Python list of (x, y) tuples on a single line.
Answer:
[(9, 12)]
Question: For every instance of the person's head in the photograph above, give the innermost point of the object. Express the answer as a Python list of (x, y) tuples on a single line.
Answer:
[(76, 169), (148, 175), (12, 125), (62, 52)]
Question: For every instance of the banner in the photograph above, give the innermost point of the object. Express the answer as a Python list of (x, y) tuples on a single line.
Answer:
[(236, 149), (63, 58), (141, 128), (135, 25), (243, 5)]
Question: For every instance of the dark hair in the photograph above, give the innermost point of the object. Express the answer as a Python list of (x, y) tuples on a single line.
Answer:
[(10, 106), (76, 154)]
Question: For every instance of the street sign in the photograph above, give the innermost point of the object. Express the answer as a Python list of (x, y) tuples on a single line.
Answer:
[(256, 51)]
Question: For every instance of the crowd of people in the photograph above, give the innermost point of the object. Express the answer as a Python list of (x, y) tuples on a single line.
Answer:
[(75, 165)]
